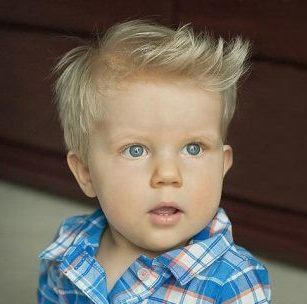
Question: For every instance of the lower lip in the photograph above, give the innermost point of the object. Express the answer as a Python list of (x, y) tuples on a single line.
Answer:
[(165, 220)]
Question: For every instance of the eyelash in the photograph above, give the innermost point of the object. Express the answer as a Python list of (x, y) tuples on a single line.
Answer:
[(202, 145)]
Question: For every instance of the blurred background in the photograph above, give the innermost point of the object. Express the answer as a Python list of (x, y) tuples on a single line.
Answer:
[(265, 192)]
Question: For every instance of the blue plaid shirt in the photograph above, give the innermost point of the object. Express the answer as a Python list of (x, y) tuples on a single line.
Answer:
[(210, 269)]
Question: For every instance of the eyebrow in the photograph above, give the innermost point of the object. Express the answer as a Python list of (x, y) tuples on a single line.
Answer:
[(211, 138), (204, 138), (122, 136)]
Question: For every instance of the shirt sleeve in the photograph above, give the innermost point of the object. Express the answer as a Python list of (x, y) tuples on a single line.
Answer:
[(249, 284), (46, 293)]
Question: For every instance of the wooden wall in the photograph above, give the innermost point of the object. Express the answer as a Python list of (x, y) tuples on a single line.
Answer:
[(265, 193)]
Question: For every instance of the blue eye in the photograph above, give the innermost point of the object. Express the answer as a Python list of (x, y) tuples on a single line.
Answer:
[(134, 150), (193, 148), (137, 150)]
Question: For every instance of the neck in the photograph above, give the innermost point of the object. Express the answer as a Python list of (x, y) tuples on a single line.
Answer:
[(118, 244)]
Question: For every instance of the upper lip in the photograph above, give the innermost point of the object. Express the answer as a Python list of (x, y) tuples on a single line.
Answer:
[(166, 204)]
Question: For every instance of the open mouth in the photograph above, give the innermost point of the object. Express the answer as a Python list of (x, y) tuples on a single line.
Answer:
[(165, 215), (165, 211)]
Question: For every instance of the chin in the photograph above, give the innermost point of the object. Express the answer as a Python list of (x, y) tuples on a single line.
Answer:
[(164, 245)]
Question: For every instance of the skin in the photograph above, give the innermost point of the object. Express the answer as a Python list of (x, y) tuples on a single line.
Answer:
[(163, 117)]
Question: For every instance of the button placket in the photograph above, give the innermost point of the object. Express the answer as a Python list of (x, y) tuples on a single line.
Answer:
[(143, 274)]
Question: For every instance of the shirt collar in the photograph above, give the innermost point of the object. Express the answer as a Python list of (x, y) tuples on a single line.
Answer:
[(203, 249), (83, 234)]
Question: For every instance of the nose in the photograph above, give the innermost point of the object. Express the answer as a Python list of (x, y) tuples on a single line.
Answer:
[(166, 172)]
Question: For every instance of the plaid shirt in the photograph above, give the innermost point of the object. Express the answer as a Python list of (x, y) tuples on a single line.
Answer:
[(210, 269)]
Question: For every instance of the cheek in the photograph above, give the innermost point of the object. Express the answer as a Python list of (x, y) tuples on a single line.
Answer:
[(205, 181), (117, 184), (124, 179)]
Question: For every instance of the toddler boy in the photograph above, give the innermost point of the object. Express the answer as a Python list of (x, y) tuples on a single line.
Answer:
[(145, 112)]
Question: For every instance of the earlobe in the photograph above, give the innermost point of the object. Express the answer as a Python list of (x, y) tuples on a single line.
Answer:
[(228, 158), (81, 174)]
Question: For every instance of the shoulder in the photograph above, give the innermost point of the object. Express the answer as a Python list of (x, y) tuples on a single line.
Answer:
[(247, 278), (68, 233), (235, 277)]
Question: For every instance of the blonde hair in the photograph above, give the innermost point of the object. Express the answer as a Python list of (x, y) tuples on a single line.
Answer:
[(133, 47)]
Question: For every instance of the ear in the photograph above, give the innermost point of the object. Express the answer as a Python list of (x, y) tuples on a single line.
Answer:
[(81, 173), (228, 158)]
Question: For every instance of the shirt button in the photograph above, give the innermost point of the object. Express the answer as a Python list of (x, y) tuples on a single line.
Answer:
[(143, 274)]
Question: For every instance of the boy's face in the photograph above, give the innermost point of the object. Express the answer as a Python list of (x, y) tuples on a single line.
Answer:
[(160, 142)]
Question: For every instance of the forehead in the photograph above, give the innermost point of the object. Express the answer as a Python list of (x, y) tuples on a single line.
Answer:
[(160, 106)]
